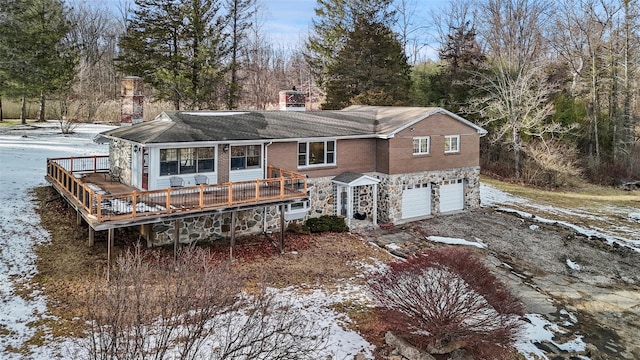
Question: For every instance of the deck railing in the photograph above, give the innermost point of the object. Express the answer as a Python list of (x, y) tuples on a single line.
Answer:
[(66, 175)]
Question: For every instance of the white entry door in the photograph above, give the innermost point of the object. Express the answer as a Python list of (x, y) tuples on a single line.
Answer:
[(416, 200), (451, 196)]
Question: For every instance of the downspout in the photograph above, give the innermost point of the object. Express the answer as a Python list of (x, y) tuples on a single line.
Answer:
[(266, 176)]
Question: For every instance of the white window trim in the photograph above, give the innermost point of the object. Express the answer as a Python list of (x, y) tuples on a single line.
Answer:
[(307, 165), (446, 140), (420, 140)]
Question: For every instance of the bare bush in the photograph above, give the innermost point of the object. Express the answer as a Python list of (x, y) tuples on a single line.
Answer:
[(447, 300), (190, 308), (551, 163)]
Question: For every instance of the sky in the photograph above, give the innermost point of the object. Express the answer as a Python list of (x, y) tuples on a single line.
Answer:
[(287, 22), (23, 154)]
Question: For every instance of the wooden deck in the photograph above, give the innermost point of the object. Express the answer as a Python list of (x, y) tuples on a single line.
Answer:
[(105, 204)]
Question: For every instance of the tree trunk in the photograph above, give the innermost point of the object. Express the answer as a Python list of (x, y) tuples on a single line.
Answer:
[(23, 111), (42, 107), (596, 107), (1, 114), (517, 140)]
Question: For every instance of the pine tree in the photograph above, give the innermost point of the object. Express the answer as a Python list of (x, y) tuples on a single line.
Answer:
[(177, 47), (37, 60), (371, 69), (240, 11), (335, 19), (462, 57)]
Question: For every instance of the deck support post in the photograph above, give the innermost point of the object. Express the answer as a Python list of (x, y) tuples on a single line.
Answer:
[(110, 236), (176, 238), (282, 229), (91, 236), (78, 218), (233, 235)]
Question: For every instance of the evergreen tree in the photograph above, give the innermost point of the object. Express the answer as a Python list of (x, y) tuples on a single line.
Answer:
[(426, 85), (335, 20), (240, 11), (177, 47), (462, 57), (37, 60), (371, 69)]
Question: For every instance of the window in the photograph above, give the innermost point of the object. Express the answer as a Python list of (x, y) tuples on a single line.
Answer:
[(245, 157), (451, 144), (421, 145), (317, 153), (205, 159), (168, 161), (186, 160)]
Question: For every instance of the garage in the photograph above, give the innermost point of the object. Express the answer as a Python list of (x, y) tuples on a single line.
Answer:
[(416, 200), (451, 195)]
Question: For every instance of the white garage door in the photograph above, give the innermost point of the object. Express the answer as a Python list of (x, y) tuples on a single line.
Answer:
[(416, 200), (451, 196)]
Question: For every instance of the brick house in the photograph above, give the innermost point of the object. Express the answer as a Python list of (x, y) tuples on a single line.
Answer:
[(370, 164)]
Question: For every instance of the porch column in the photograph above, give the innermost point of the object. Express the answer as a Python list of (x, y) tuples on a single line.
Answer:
[(349, 204), (281, 229), (176, 238), (375, 204), (110, 236), (233, 235), (91, 236)]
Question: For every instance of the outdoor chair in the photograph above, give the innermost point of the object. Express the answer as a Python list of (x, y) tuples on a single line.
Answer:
[(201, 179), (176, 182)]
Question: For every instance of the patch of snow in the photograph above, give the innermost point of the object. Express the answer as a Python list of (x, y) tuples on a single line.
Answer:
[(534, 227), (611, 239), (456, 241), (490, 196), (572, 265), (393, 246), (538, 329)]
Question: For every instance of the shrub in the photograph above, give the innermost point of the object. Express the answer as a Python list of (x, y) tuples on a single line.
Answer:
[(447, 300), (326, 223), (190, 307)]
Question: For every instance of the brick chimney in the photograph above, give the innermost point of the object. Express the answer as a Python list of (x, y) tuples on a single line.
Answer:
[(131, 100), (292, 100)]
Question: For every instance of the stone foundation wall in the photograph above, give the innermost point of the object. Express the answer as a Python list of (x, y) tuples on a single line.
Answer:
[(322, 197), (322, 201), (218, 226), (390, 190)]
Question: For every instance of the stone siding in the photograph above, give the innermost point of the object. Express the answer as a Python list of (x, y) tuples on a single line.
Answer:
[(322, 201), (217, 226), (120, 159), (390, 190)]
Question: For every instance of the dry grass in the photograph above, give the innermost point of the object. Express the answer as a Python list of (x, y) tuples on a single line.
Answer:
[(67, 265), (589, 206), (584, 195)]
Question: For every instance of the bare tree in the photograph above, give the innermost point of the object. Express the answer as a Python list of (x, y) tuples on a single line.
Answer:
[(581, 29), (516, 94), (155, 307), (96, 33), (517, 102), (413, 29)]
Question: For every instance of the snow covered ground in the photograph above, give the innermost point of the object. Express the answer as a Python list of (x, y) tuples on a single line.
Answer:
[(23, 154), (628, 236)]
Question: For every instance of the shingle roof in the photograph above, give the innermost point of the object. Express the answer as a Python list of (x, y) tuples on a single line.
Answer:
[(354, 121)]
